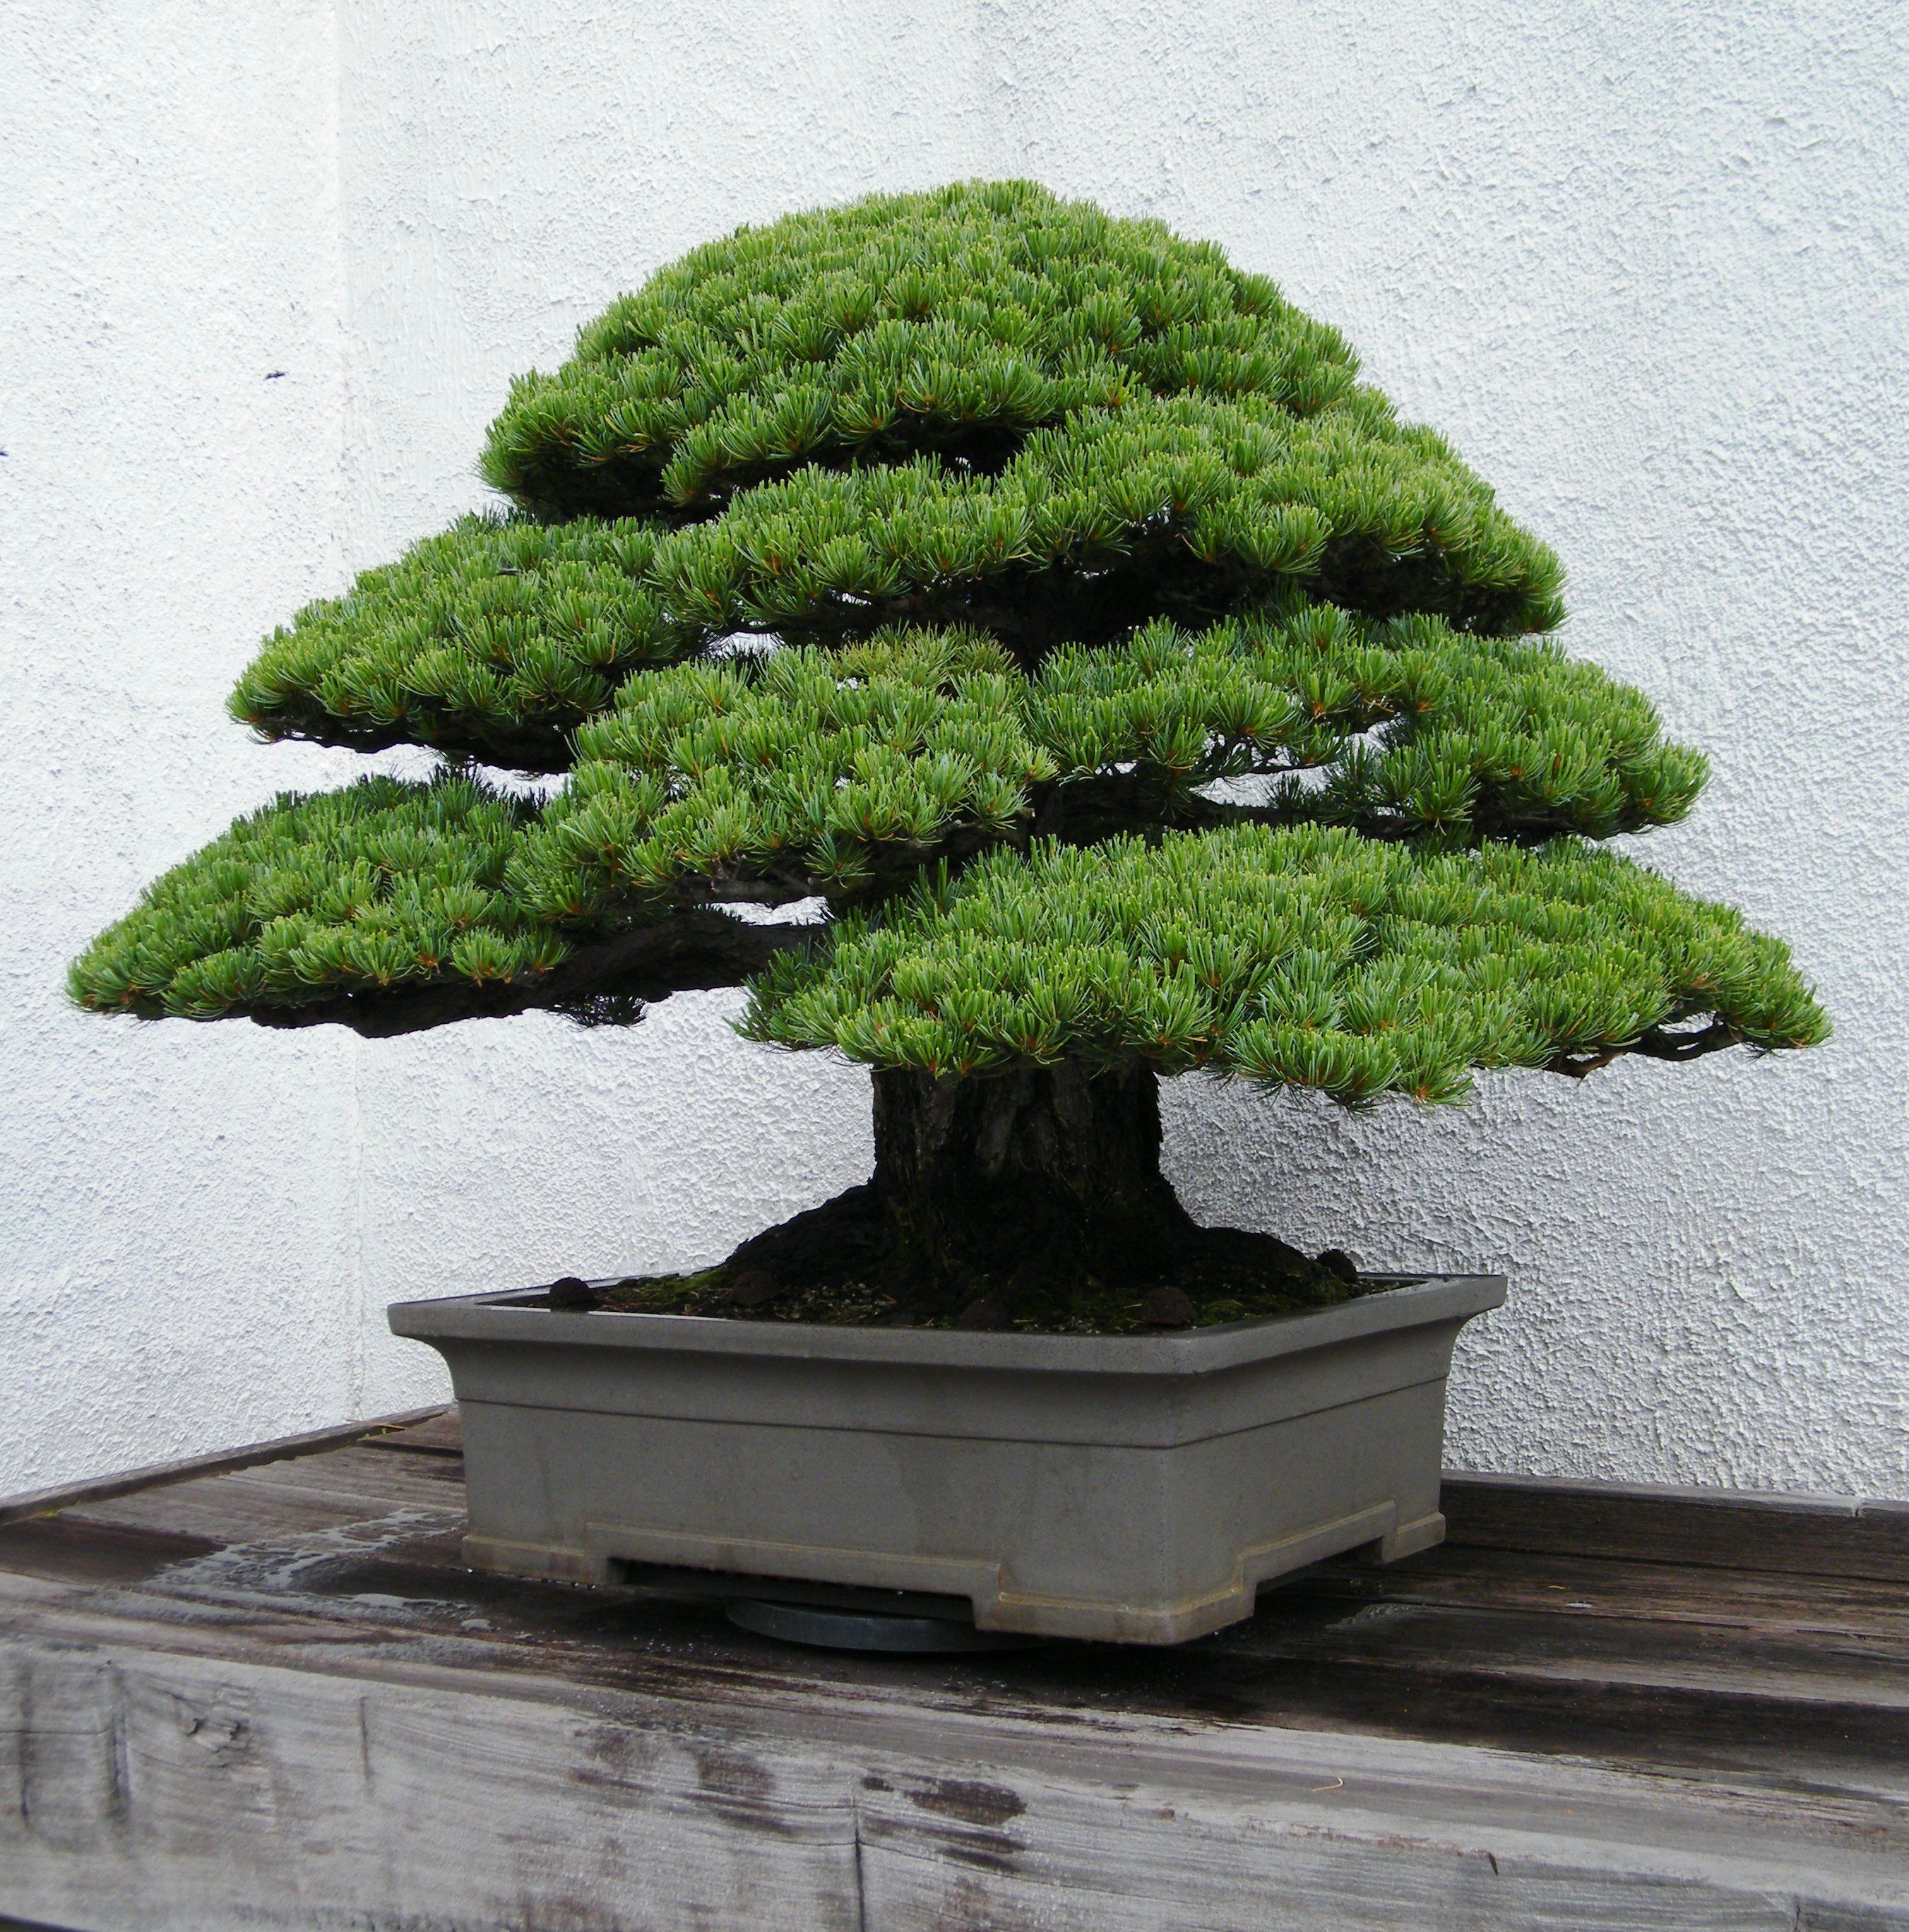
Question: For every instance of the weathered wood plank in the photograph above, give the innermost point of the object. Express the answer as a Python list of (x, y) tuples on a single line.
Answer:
[(1795, 1665), (286, 1499), (277, 1699), (360, 1474), (230, 1509), (1352, 1649), (1825, 1536), (1667, 1594), (58, 1547), (208, 1794), (176, 1797), (312, 1442), (1149, 1858), (1755, 1737)]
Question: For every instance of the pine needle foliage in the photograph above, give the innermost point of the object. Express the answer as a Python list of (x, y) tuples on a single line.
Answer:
[(950, 323), (798, 772), (383, 886), (1184, 504), (980, 537), (1307, 957), (496, 639), (981, 406), (806, 771)]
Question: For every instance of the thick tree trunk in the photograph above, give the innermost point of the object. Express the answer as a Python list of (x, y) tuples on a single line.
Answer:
[(1027, 1183), (1035, 1193)]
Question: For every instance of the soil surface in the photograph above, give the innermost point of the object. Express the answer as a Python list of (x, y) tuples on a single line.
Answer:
[(1227, 1279)]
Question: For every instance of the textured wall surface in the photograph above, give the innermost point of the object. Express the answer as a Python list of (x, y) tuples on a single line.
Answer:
[(1645, 265), (178, 1250)]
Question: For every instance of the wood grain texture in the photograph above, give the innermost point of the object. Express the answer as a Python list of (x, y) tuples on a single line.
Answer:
[(274, 1698), (1812, 1536), (41, 1502)]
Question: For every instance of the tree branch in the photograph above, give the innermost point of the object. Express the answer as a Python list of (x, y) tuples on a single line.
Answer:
[(544, 749), (686, 953), (1653, 1043), (1659, 1045)]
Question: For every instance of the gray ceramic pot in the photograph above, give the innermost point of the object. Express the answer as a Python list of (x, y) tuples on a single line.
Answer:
[(1136, 1488)]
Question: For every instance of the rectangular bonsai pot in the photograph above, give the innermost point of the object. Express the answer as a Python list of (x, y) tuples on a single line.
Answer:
[(1134, 1489)]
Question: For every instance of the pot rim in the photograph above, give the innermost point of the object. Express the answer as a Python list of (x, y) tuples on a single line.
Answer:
[(504, 1316)]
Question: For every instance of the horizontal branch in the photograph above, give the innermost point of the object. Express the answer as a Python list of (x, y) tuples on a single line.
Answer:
[(689, 952), (543, 749), (1655, 1043)]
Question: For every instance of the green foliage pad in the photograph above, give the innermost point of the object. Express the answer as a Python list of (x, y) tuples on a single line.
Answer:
[(497, 639), (950, 323), (1307, 957), (382, 886)]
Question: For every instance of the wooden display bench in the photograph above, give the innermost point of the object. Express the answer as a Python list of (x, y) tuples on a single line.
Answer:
[(264, 1693)]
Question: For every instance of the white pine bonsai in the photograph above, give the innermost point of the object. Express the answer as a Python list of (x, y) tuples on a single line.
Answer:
[(1051, 599)]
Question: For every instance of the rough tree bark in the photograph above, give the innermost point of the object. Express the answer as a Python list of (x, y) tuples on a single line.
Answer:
[(1033, 1176)]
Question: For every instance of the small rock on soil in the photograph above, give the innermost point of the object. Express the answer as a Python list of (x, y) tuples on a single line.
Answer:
[(1167, 1307)]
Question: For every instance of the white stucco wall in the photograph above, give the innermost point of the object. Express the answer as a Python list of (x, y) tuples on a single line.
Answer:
[(1645, 264)]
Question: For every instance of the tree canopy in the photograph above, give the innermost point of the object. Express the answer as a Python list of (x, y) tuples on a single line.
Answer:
[(1049, 598)]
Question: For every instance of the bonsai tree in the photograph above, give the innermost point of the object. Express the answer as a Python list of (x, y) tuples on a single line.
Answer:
[(1043, 608)]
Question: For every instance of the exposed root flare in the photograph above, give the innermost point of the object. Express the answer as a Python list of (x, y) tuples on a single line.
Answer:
[(1031, 1200)]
